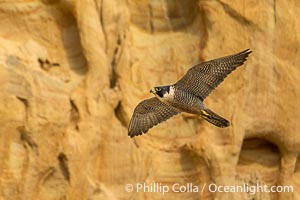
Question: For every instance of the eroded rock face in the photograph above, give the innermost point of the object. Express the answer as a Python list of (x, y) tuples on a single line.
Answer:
[(71, 73)]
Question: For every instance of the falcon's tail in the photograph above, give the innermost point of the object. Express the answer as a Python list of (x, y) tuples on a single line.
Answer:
[(213, 118)]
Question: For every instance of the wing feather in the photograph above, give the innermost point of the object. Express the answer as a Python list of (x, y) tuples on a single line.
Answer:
[(149, 113), (203, 78)]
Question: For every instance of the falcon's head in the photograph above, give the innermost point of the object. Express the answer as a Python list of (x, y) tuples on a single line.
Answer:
[(163, 91)]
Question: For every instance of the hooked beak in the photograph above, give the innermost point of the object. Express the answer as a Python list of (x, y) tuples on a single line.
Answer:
[(152, 91)]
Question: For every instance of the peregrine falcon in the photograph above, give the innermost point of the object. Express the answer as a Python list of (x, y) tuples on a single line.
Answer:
[(186, 95)]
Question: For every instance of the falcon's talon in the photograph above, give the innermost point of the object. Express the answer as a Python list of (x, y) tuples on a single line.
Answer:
[(186, 95)]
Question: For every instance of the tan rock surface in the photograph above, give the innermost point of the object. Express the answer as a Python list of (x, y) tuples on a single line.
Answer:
[(71, 73)]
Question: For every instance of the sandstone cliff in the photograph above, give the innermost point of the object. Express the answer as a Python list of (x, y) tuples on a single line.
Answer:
[(71, 73)]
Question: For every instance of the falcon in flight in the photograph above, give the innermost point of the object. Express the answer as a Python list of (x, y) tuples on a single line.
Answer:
[(186, 95)]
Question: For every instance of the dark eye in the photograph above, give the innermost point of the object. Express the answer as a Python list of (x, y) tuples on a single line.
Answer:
[(157, 89)]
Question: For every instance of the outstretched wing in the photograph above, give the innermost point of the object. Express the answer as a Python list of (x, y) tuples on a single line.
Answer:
[(203, 78), (149, 113)]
